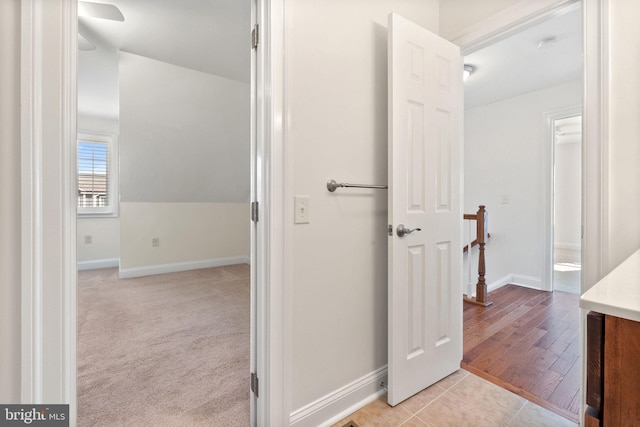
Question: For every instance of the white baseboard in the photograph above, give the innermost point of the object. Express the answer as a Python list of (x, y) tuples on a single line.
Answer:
[(149, 270), (516, 279), (340, 403), (98, 263), (526, 281), (499, 283)]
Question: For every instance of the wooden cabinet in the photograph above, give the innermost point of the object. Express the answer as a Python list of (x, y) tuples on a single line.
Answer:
[(613, 371)]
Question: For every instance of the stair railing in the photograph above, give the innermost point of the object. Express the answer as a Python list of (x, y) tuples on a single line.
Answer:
[(480, 218)]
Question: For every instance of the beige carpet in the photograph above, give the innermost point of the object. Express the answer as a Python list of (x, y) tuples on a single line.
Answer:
[(165, 350)]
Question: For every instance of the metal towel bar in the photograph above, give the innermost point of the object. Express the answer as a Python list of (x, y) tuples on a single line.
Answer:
[(332, 185)]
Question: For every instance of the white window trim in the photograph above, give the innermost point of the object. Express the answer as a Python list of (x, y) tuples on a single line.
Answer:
[(113, 208)]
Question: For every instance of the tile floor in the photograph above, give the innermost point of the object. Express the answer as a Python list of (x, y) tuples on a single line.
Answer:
[(462, 399)]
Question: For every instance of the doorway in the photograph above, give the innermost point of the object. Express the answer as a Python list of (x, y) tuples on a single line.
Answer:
[(182, 126), (567, 175), (509, 168)]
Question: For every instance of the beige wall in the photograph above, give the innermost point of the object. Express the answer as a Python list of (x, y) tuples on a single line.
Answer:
[(10, 201), (456, 16), (188, 233), (624, 131), (338, 129)]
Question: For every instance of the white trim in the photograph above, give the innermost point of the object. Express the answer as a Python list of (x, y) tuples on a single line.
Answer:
[(503, 24), (595, 152), (547, 148), (527, 281), (342, 402), (31, 195), (48, 34), (274, 234), (98, 263), (506, 280), (518, 280), (111, 140), (69, 192), (150, 270)]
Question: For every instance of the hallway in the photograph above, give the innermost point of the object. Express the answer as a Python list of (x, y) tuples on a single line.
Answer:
[(527, 342)]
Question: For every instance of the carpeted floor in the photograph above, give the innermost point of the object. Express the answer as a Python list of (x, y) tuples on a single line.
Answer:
[(165, 350)]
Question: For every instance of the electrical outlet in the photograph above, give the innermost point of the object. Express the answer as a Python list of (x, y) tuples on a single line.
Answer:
[(301, 206), (155, 242), (88, 239)]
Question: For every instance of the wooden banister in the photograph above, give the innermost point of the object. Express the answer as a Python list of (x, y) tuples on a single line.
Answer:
[(481, 286), (473, 244)]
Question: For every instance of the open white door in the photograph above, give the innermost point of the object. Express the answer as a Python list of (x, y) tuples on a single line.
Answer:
[(425, 192)]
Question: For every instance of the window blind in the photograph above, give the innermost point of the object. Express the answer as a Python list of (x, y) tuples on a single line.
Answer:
[(93, 174)]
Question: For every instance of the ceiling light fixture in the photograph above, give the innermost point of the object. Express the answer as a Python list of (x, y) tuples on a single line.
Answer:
[(547, 42), (467, 71)]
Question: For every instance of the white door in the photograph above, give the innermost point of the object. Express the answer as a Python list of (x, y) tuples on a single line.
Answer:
[(425, 192)]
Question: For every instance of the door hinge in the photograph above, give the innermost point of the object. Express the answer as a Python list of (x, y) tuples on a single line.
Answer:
[(255, 36), (255, 212), (254, 383)]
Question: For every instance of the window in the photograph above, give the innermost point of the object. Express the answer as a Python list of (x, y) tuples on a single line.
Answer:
[(97, 174)]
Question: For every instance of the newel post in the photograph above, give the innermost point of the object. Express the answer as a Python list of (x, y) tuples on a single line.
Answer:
[(481, 286)]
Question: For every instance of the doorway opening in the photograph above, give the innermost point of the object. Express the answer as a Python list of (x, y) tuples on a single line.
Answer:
[(172, 86), (567, 191), (528, 340), (567, 175)]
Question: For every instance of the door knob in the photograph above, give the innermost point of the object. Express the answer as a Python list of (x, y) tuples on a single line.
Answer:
[(402, 230)]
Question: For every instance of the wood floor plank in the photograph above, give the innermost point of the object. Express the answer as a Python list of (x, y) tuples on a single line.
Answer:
[(527, 342)]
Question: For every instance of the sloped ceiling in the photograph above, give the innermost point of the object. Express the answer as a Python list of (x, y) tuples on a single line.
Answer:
[(211, 36)]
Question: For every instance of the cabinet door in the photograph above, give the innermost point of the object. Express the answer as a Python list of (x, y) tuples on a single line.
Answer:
[(595, 356), (621, 372)]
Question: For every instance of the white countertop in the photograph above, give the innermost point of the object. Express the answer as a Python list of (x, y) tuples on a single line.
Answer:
[(618, 293)]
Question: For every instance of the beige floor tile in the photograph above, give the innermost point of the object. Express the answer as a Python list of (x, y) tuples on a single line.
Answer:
[(378, 414), (414, 422), (535, 416), (454, 378), (415, 403), (472, 402)]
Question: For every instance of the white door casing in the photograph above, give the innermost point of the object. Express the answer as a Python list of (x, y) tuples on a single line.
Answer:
[(425, 192)]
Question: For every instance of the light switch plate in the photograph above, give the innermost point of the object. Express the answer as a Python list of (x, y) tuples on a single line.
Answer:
[(301, 206)]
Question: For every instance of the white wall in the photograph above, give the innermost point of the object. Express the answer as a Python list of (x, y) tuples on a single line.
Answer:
[(184, 134), (457, 16), (184, 167), (337, 94), (567, 198), (503, 156), (98, 84), (624, 131), (192, 235), (105, 240), (10, 202)]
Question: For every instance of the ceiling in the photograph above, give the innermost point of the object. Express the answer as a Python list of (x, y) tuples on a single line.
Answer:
[(211, 36), (516, 65)]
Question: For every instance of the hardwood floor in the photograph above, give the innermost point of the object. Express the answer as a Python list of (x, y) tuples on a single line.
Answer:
[(527, 342)]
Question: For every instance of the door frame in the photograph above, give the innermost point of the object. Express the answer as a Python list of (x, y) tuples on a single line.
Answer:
[(548, 198), (48, 232), (57, 382)]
